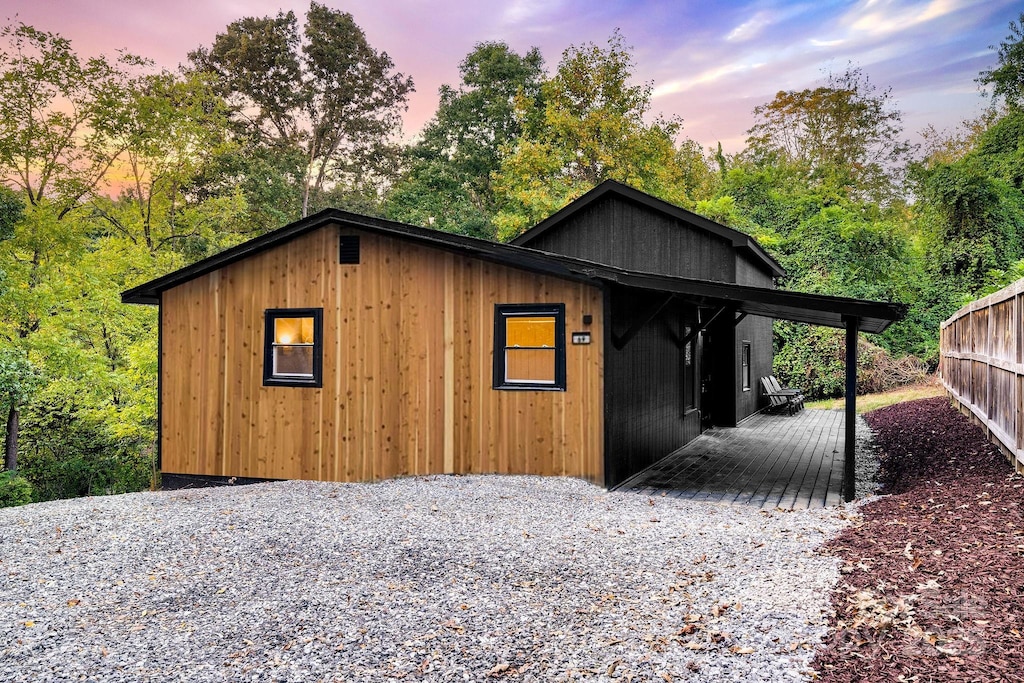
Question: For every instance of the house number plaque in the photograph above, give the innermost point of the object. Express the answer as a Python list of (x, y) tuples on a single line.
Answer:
[(580, 337)]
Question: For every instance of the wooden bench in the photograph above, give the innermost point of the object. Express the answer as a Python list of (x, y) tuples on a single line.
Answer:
[(781, 399), (789, 391)]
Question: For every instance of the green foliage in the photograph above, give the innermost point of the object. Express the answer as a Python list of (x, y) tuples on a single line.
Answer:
[(326, 97), (19, 378), (12, 210), (448, 181), (58, 115), (814, 359), (971, 214), (1007, 79), (70, 451), (14, 490), (811, 358), (845, 136), (591, 124)]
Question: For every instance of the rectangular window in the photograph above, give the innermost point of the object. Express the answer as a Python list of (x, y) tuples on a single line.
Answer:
[(529, 346), (293, 347), (745, 366)]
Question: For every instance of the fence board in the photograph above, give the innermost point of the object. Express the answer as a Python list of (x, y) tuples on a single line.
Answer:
[(981, 365)]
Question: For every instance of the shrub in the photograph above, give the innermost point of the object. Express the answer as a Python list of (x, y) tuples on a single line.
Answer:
[(67, 453), (814, 359), (14, 490)]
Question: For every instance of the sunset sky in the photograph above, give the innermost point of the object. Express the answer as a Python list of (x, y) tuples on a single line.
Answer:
[(709, 62)]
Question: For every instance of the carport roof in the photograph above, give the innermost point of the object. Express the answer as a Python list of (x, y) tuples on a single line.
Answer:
[(816, 309)]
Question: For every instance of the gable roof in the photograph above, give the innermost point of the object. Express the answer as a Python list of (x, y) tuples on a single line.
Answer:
[(815, 309), (611, 188)]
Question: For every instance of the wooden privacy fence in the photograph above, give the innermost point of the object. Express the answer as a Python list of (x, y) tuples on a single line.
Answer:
[(981, 363)]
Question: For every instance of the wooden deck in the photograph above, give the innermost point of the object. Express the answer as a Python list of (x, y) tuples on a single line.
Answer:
[(772, 461)]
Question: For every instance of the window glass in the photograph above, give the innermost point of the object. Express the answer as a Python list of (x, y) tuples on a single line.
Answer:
[(530, 332), (530, 350), (293, 352), (293, 347), (529, 346), (293, 330), (530, 365), (745, 365)]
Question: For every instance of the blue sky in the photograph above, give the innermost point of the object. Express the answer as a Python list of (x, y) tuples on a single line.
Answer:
[(709, 62)]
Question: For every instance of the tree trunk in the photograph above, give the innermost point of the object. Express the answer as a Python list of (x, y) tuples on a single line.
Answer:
[(11, 442)]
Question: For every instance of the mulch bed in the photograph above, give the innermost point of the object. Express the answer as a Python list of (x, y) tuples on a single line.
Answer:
[(933, 576)]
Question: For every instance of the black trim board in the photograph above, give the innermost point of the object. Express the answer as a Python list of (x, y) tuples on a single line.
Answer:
[(159, 385), (171, 481)]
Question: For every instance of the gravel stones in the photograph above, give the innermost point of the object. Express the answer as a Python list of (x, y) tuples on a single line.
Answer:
[(437, 578)]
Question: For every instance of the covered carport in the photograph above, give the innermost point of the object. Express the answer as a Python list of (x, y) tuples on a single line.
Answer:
[(727, 304)]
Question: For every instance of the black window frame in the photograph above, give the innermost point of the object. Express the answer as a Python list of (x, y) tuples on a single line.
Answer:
[(502, 312), (269, 378), (745, 358)]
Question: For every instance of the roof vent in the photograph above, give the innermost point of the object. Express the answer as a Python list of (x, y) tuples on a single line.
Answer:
[(349, 252)]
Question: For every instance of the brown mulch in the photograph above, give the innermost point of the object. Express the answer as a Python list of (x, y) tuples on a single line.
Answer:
[(932, 587)]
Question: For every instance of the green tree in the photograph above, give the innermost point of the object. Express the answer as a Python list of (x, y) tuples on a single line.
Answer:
[(12, 210), (328, 95), (590, 124), (448, 182), (845, 135), (58, 113), (177, 130), (1007, 79), (19, 379)]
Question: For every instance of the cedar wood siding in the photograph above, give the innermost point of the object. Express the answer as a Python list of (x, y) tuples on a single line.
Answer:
[(407, 369), (621, 233)]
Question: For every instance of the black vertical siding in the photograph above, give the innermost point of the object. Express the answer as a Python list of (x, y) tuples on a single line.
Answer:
[(620, 233), (753, 273), (758, 331), (644, 416)]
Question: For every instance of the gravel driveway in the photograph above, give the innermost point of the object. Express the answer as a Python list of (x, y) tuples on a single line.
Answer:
[(438, 578)]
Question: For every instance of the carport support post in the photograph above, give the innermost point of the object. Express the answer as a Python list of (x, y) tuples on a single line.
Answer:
[(849, 464)]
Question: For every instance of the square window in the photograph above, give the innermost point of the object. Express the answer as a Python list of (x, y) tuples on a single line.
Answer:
[(293, 347), (529, 346)]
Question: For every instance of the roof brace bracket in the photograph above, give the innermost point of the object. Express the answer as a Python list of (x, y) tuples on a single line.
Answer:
[(701, 327), (620, 341), (739, 318)]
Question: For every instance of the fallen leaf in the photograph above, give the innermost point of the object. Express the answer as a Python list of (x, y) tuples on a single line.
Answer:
[(498, 669), (745, 650), (73, 602)]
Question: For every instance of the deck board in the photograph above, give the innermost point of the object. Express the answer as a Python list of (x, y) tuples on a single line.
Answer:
[(769, 461)]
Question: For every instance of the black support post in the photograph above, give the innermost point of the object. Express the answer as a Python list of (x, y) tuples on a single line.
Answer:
[(849, 463)]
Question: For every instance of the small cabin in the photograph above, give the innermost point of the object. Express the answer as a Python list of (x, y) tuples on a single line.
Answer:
[(349, 348)]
